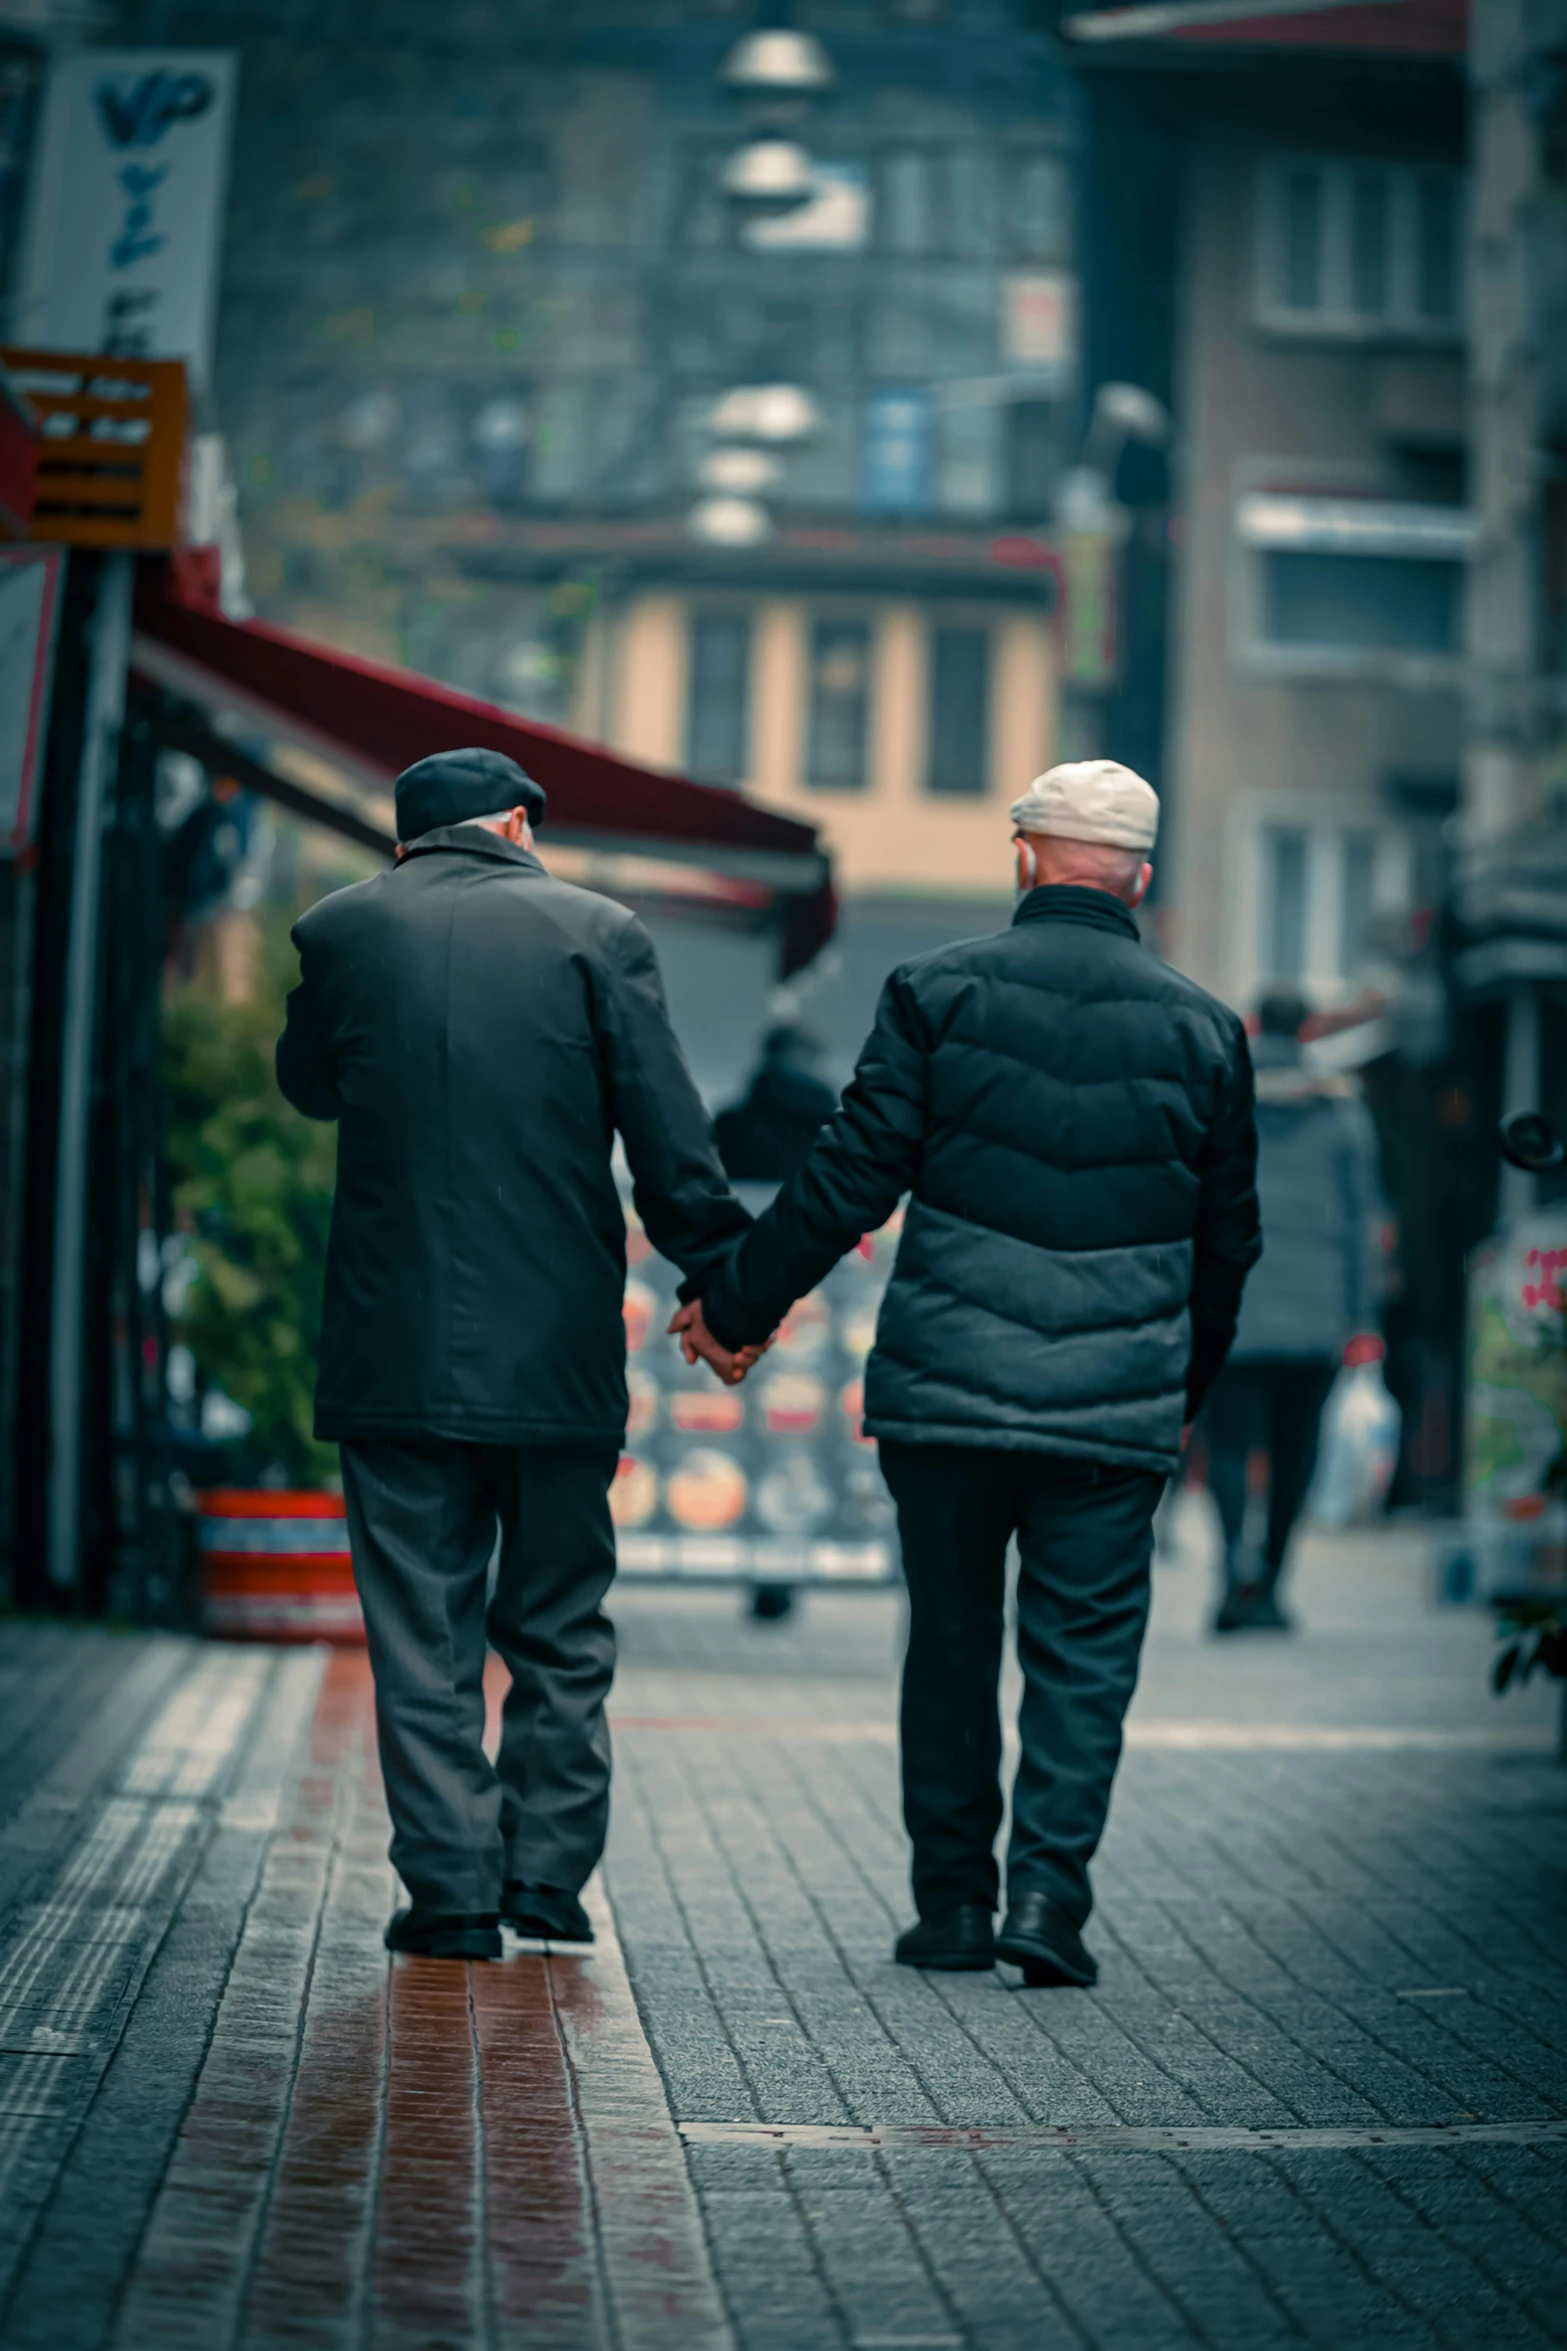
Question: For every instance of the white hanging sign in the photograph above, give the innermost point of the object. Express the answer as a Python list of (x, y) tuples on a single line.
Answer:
[(126, 223)]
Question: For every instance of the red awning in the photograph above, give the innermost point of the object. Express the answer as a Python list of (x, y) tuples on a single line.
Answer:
[(372, 721)]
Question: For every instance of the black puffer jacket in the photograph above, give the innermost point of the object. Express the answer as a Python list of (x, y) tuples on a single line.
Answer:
[(1074, 1121), (479, 1030)]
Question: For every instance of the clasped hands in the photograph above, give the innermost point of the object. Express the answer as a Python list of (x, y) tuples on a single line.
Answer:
[(697, 1344)]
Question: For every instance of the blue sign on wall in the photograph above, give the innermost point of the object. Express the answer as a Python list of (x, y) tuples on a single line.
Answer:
[(897, 450)]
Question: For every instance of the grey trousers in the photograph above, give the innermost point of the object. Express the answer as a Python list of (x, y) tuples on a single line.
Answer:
[(422, 1522)]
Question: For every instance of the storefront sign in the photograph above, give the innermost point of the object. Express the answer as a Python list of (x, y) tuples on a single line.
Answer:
[(127, 218), (1039, 324)]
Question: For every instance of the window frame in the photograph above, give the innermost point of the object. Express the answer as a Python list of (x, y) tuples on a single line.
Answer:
[(744, 617), (819, 621), (1335, 318)]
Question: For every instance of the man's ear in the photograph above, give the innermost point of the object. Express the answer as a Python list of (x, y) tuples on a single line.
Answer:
[(1140, 888)]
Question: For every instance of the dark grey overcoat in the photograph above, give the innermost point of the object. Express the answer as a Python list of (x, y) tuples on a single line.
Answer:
[(479, 1031)]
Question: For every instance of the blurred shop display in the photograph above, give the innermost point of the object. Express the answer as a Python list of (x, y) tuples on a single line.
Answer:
[(1515, 1467), (772, 1483)]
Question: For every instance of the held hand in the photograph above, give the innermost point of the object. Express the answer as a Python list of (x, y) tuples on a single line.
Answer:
[(697, 1343)]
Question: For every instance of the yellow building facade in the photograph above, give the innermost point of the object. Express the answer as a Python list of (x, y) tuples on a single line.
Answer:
[(902, 729)]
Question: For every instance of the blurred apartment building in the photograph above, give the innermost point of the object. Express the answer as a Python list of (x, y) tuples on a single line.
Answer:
[(1367, 727), (516, 392), (1315, 163)]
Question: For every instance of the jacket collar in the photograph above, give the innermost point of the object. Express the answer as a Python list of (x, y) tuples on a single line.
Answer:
[(476, 842), (1070, 902)]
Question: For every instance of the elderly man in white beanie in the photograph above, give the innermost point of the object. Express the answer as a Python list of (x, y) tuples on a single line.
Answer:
[(1073, 1121)]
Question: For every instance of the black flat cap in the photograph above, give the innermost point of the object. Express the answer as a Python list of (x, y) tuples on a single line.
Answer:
[(453, 786)]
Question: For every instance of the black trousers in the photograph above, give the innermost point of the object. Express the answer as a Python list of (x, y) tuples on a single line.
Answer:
[(422, 1522), (1273, 1402), (1085, 1539)]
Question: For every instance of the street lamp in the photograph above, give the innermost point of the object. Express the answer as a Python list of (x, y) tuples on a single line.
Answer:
[(775, 413), (740, 471), (768, 176), (729, 522), (777, 65)]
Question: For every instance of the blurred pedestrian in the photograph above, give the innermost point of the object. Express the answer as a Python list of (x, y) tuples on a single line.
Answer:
[(479, 1031), (1317, 1288), (1074, 1122), (763, 1138)]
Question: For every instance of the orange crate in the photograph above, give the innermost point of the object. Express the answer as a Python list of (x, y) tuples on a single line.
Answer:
[(276, 1567), (111, 449)]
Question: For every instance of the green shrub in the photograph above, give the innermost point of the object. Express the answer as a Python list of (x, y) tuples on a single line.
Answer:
[(252, 1184)]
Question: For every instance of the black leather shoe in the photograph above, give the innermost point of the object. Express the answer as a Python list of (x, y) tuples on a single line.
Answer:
[(444, 1934), (955, 1942), (1251, 1608), (1044, 1943), (547, 1913)]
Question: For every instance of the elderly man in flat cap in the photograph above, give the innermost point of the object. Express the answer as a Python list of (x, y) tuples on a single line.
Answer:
[(1073, 1121), (479, 1031)]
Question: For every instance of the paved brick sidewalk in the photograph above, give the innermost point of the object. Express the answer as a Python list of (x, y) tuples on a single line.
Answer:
[(1320, 2094), (225, 2117)]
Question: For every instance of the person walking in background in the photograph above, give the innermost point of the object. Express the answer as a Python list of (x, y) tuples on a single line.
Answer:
[(763, 1138), (1318, 1287), (479, 1031), (1074, 1122)]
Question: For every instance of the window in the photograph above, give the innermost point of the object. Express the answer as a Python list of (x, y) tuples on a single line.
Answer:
[(1319, 900), (1038, 211), (1383, 603), (1302, 255), (908, 201), (897, 450), (839, 706), (1285, 902), (1437, 248), (959, 744), (718, 697), (971, 226), (1033, 439), (1347, 248), (1345, 584)]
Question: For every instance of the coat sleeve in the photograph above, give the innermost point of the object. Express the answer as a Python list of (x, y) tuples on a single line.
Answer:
[(857, 1170), (306, 1069), (677, 1180), (1229, 1226)]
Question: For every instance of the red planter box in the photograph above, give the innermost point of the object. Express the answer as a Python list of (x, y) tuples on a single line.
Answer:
[(276, 1567)]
